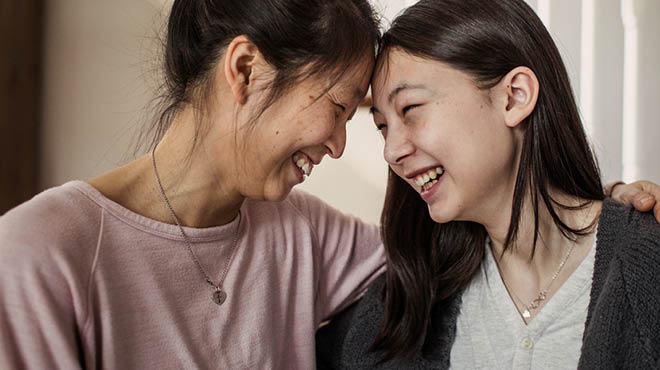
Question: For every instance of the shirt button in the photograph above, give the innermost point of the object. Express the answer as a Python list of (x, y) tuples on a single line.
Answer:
[(526, 343)]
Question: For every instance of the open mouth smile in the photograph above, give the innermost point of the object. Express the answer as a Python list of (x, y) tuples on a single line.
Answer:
[(304, 163), (426, 180)]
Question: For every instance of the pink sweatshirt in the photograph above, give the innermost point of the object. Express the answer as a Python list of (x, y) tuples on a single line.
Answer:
[(87, 283)]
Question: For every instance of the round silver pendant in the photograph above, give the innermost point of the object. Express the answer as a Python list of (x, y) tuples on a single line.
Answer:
[(219, 297)]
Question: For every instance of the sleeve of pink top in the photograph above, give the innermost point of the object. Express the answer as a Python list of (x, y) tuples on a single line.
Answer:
[(37, 313), (350, 254)]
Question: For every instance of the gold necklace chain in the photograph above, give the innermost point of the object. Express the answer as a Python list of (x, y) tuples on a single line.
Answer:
[(543, 294), (219, 295)]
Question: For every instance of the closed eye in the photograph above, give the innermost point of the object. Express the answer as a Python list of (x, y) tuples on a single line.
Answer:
[(409, 107)]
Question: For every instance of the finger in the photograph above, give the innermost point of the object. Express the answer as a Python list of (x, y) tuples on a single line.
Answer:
[(625, 193), (643, 201), (654, 191), (646, 185)]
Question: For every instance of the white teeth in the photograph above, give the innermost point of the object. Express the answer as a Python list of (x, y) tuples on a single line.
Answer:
[(426, 180), (428, 185), (303, 164)]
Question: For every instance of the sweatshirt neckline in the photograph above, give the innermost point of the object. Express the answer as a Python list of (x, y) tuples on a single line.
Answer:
[(159, 228)]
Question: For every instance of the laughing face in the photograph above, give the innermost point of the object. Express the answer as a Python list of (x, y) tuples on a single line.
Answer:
[(302, 127), (444, 137)]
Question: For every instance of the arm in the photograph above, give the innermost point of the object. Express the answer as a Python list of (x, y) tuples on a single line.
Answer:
[(37, 315), (643, 195)]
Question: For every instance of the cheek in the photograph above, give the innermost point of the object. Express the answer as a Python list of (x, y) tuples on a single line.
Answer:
[(477, 138), (316, 128)]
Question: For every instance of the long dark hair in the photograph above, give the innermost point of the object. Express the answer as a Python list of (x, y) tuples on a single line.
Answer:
[(299, 38), (430, 263)]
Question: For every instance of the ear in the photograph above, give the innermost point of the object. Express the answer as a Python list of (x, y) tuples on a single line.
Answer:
[(519, 90), (240, 59)]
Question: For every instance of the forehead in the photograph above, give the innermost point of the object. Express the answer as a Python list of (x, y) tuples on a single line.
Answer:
[(401, 72), (395, 73), (397, 69), (355, 80), (393, 63)]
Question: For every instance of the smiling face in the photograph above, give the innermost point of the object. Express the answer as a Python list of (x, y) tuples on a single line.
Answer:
[(445, 137), (294, 134)]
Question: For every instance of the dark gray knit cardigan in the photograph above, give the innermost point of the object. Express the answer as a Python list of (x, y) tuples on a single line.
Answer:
[(622, 330)]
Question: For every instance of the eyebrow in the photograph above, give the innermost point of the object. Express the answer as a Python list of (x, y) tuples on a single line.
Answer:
[(395, 92)]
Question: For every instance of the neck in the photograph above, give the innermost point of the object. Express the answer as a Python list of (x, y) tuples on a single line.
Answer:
[(196, 185), (533, 275), (551, 246)]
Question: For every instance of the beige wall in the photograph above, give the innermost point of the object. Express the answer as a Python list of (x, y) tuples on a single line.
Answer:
[(96, 64)]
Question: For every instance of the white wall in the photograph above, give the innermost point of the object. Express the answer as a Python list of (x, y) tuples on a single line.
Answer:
[(641, 91), (97, 70)]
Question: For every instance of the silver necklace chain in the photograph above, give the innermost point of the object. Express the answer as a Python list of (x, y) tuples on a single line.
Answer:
[(219, 295), (543, 294)]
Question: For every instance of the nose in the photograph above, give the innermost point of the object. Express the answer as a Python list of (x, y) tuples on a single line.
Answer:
[(336, 143), (397, 147)]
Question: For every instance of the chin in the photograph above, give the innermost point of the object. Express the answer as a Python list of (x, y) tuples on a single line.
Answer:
[(277, 196), (442, 215)]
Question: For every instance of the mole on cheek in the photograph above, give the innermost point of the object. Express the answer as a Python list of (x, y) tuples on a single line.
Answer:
[(277, 132)]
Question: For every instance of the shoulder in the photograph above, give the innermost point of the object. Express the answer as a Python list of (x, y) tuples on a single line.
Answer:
[(627, 219), (627, 253), (625, 293), (308, 204), (51, 223), (300, 206), (57, 209), (632, 231)]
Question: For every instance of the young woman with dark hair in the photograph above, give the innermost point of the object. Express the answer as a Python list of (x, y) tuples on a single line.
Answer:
[(198, 255), (502, 250)]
